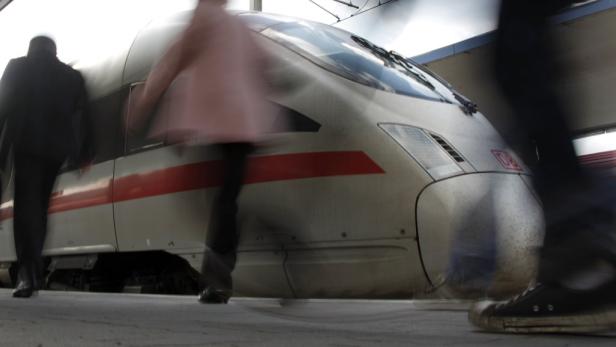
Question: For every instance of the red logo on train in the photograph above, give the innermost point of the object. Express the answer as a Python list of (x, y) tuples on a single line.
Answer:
[(506, 160)]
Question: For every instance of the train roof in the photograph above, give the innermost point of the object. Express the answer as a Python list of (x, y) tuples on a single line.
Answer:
[(107, 74)]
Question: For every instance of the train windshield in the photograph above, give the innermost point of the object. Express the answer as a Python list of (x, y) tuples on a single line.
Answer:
[(357, 59)]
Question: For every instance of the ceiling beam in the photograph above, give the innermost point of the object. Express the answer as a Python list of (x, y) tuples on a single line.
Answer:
[(3, 3)]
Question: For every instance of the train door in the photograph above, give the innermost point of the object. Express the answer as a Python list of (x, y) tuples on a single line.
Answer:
[(159, 199), (81, 211), (81, 214)]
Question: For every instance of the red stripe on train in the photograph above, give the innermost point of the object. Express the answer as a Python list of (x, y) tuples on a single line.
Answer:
[(209, 174)]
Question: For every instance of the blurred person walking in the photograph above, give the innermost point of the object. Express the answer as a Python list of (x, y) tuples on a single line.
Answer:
[(575, 289), (43, 108), (219, 91)]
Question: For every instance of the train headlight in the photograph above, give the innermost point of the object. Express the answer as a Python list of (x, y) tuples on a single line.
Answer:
[(424, 149)]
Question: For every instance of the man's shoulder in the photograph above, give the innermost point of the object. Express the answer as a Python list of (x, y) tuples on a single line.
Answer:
[(20, 60), (67, 67), (70, 71), (17, 62), (15, 69)]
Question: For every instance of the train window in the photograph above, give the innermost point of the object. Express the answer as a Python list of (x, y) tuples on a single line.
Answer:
[(106, 123), (353, 58), (106, 117), (138, 140), (293, 121)]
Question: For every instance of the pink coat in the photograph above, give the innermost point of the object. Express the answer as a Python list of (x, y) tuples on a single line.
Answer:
[(214, 76)]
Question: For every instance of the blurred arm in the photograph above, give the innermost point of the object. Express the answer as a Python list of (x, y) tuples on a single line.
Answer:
[(86, 136), (8, 86), (177, 58)]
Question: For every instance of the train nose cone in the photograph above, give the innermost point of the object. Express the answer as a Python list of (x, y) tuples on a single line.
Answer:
[(479, 234)]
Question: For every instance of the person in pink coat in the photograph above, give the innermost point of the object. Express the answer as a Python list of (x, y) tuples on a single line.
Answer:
[(218, 98)]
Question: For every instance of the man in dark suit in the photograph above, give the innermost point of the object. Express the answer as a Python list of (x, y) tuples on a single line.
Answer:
[(43, 107), (575, 289)]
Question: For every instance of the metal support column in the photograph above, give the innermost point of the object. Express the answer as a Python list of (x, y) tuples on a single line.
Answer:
[(256, 5)]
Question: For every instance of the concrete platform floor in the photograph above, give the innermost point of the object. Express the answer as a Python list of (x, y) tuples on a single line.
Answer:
[(90, 319)]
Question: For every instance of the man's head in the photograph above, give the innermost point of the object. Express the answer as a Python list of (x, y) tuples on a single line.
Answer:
[(42, 44)]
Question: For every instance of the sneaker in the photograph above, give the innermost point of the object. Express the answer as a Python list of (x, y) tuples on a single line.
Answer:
[(550, 309)]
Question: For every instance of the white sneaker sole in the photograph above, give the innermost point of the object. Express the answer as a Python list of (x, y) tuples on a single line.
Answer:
[(595, 322)]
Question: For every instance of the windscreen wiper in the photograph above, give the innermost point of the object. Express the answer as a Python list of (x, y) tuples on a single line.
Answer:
[(468, 105), (417, 72), (394, 58), (400, 59)]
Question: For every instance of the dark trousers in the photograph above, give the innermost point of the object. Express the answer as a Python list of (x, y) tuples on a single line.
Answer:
[(223, 236), (34, 180), (577, 202)]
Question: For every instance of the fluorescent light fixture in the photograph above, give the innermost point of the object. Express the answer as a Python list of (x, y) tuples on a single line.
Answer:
[(596, 143)]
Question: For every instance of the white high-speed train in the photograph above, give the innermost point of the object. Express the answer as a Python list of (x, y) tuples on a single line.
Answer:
[(383, 171)]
